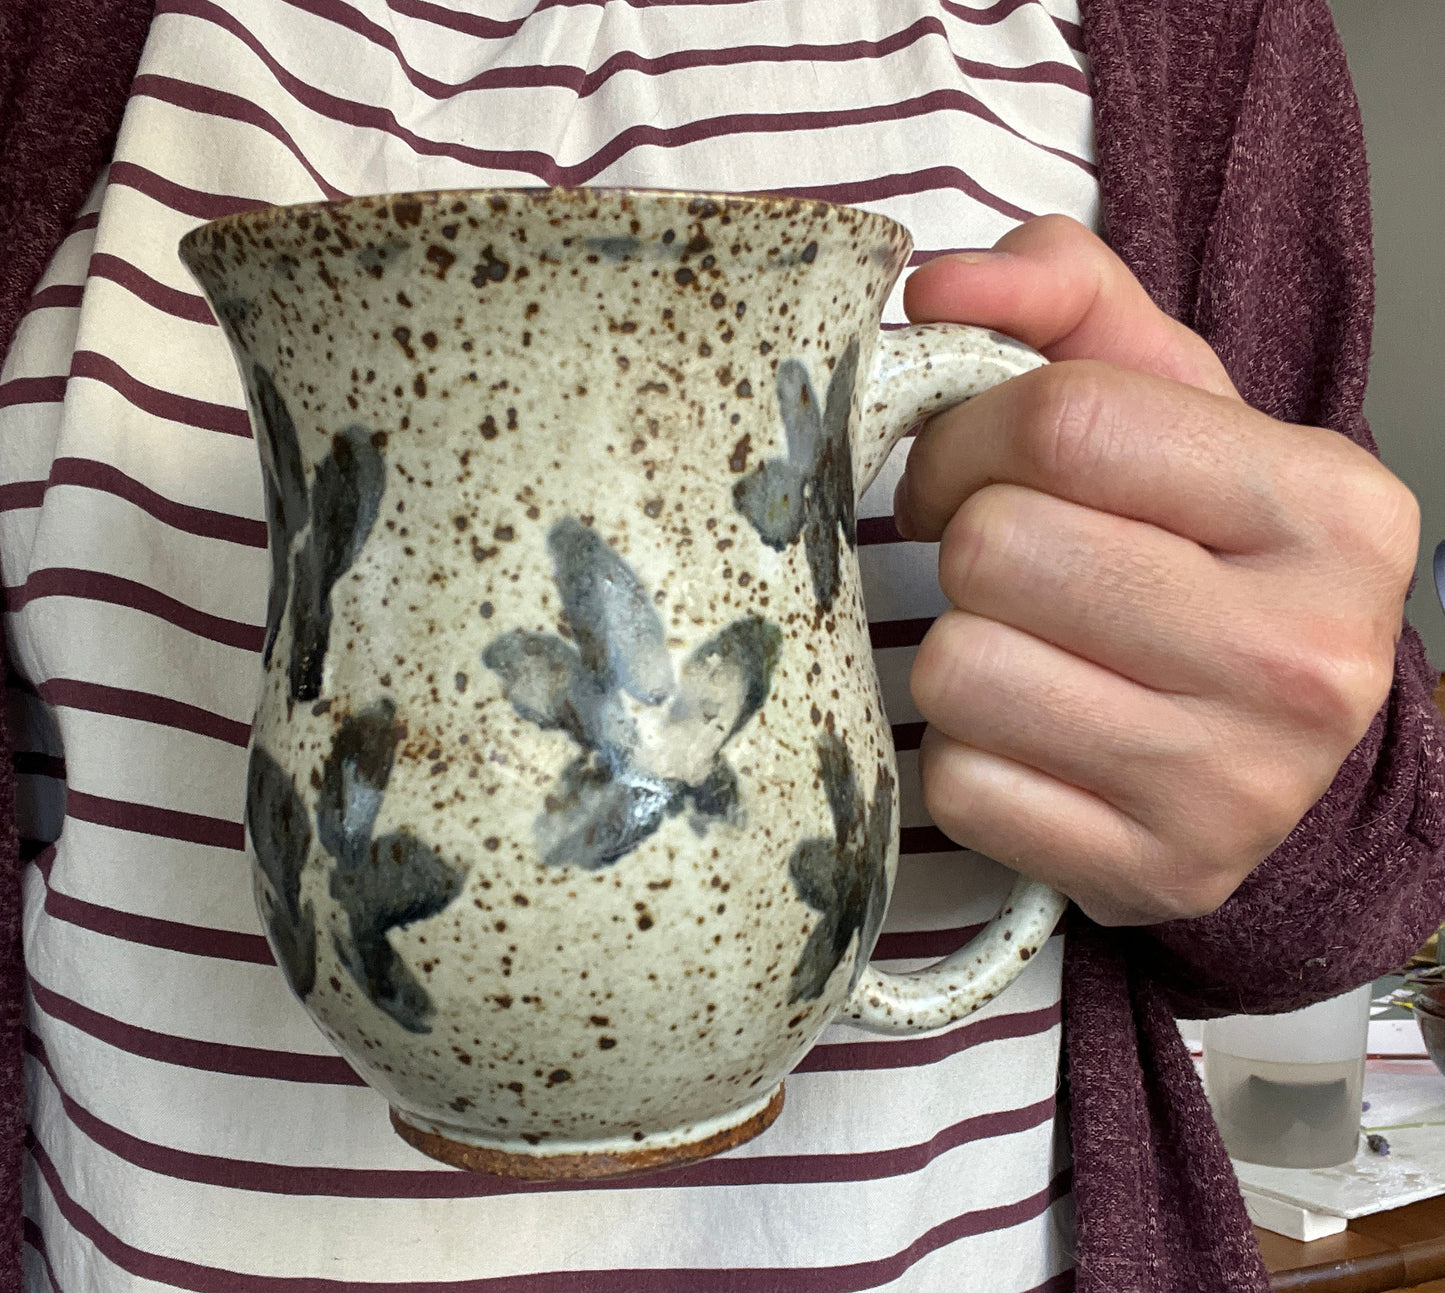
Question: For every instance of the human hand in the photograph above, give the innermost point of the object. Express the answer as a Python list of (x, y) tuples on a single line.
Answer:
[(1173, 616)]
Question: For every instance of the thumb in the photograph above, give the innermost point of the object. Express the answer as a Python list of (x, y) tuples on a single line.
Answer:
[(1057, 287)]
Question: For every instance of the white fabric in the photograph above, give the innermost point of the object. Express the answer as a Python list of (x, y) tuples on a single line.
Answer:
[(191, 1126)]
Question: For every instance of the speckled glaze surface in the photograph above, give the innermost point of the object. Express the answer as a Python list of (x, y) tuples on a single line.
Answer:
[(571, 797)]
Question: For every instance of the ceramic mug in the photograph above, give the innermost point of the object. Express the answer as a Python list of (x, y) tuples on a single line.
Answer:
[(571, 797)]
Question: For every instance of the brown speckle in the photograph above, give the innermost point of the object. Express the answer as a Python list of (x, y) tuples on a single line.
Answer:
[(738, 459), (490, 269)]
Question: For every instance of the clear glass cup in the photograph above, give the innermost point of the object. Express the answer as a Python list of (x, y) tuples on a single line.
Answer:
[(1286, 1089)]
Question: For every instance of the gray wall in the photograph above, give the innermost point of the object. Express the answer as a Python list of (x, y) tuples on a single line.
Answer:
[(1396, 50)]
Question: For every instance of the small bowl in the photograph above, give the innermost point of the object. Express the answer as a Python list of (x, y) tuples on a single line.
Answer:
[(1432, 1029)]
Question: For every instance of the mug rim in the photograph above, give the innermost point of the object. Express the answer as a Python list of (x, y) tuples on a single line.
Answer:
[(270, 214)]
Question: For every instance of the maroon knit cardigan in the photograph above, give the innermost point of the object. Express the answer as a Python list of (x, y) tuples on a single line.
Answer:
[(1234, 185)]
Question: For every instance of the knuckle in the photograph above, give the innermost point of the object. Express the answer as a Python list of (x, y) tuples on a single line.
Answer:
[(931, 675), (1064, 426), (1377, 522), (1190, 881), (1331, 681), (1200, 894), (947, 797), (939, 681), (982, 531)]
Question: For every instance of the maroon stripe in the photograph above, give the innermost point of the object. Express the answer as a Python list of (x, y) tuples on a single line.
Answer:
[(187, 1052), (21, 494), (90, 474), (219, 103), (202, 414), (584, 83), (994, 13), (88, 221), (231, 945), (362, 1183), (59, 296), (908, 736), (30, 1233), (196, 201), (1063, 1282), (97, 698), (32, 390), (1031, 74), (350, 112), (188, 201), (913, 1052), (929, 180), (925, 839), (29, 763), (170, 300), (878, 529), (1072, 32), (467, 23), (884, 634), (249, 1061), (923, 942), (146, 819), (852, 1278), (150, 931), (495, 29), (200, 940), (95, 585), (920, 257)]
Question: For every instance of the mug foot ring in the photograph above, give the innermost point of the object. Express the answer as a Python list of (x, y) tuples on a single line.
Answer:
[(490, 1161)]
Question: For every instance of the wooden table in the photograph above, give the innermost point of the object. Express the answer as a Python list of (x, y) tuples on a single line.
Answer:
[(1392, 1252)]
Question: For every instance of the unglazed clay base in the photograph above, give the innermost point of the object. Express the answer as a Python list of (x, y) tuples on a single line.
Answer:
[(606, 1159)]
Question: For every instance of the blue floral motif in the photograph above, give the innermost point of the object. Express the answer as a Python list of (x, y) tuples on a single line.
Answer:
[(337, 513), (843, 879), (651, 737), (809, 491)]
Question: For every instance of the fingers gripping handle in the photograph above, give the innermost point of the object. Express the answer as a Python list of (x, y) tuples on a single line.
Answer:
[(921, 370), (971, 977), (917, 372)]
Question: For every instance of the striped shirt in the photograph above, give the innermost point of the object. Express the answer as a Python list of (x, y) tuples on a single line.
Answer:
[(190, 1128)]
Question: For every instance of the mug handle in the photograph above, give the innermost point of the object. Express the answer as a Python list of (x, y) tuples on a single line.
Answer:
[(916, 372)]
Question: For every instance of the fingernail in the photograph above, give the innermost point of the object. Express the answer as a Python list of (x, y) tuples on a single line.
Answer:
[(902, 521), (978, 257)]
